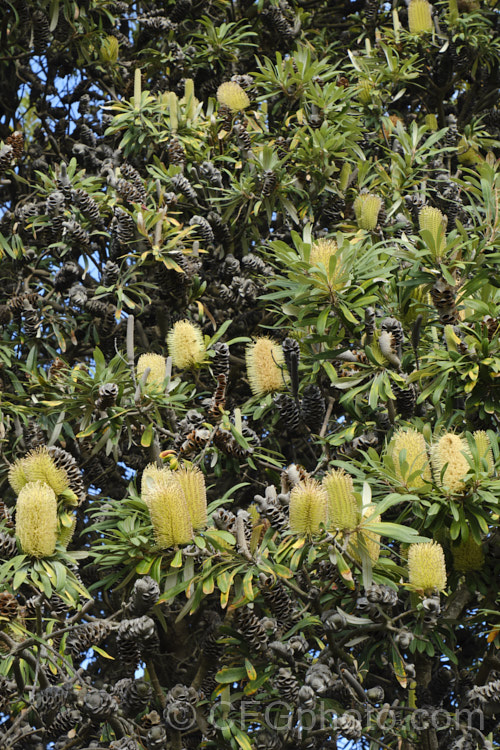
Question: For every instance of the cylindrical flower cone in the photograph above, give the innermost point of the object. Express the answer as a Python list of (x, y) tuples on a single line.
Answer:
[(38, 466), (449, 451), (157, 368), (192, 482), (185, 344), (153, 477), (231, 95), (484, 449), (343, 509), (432, 220), (265, 366), (308, 507), (169, 514), (66, 533), (419, 16), (468, 555), (365, 539), (415, 458), (36, 519), (426, 567), (322, 251), (365, 90), (367, 208)]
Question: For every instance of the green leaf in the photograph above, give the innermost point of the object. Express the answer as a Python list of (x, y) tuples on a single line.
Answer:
[(231, 674), (147, 436)]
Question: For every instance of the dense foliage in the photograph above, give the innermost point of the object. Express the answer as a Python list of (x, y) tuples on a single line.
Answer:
[(250, 359)]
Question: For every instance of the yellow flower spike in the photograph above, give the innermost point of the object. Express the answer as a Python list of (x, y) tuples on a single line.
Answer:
[(38, 466), (153, 478), (426, 567), (308, 507), (157, 366), (413, 443), (419, 16), (185, 344), (432, 220), (449, 450), (366, 539), (36, 519), (367, 208), (483, 445), (468, 555), (169, 513), (66, 533), (265, 371), (192, 482), (365, 90), (343, 509), (233, 96)]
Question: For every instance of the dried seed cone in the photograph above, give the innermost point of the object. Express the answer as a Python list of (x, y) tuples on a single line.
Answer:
[(426, 567), (432, 220), (468, 555), (450, 450), (419, 16), (367, 208), (36, 519), (263, 358), (192, 482), (233, 96), (185, 344), (308, 507), (484, 449), (343, 510), (415, 458), (366, 539), (38, 466), (170, 514), (156, 364)]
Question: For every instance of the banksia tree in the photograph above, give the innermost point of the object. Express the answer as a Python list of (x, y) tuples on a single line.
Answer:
[(249, 357)]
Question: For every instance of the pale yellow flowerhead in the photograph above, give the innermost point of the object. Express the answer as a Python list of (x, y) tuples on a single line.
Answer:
[(153, 478), (367, 208), (308, 507), (169, 514), (38, 466), (343, 509), (468, 555), (366, 539), (322, 251), (156, 364), (432, 220), (426, 567), (449, 450), (410, 444), (419, 16), (36, 519), (265, 371), (185, 344), (192, 482), (233, 96), (484, 449)]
